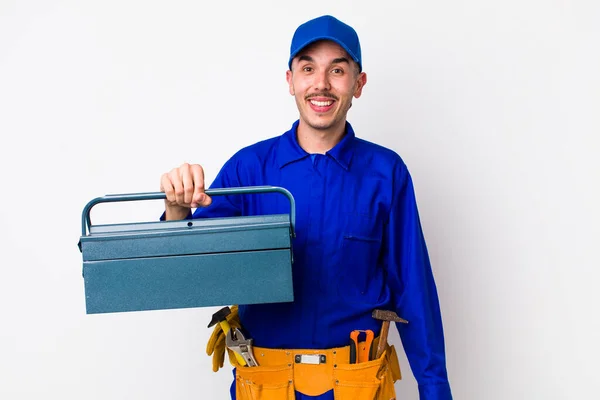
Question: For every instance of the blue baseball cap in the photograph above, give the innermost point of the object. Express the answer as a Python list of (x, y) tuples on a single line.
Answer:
[(326, 27)]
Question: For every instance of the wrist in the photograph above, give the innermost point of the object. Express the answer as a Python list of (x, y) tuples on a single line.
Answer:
[(175, 212)]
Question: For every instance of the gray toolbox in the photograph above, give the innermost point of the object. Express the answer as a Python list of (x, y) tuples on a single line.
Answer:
[(188, 263)]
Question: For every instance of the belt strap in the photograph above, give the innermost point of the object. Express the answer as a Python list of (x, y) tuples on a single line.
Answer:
[(274, 357)]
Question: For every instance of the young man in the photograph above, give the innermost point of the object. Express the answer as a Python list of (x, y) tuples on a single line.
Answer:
[(358, 246)]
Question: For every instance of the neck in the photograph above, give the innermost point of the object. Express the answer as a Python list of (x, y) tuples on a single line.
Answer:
[(319, 141)]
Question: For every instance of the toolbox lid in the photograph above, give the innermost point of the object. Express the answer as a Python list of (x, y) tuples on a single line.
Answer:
[(195, 236)]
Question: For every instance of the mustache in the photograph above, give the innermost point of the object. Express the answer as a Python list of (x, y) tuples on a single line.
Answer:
[(328, 95)]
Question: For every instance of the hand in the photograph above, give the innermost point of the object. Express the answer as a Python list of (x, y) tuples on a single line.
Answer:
[(184, 187)]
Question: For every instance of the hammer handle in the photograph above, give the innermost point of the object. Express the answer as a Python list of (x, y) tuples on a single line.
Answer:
[(226, 328), (385, 328)]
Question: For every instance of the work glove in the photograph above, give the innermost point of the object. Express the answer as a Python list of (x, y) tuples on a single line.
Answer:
[(216, 343)]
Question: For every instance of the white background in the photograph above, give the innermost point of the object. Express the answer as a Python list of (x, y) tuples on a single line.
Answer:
[(494, 106)]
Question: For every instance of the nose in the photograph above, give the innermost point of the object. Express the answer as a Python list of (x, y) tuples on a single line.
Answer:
[(322, 81)]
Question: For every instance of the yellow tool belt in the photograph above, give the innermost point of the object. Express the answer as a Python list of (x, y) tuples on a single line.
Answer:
[(280, 372)]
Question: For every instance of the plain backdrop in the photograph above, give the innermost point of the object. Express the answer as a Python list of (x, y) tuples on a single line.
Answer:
[(493, 105)]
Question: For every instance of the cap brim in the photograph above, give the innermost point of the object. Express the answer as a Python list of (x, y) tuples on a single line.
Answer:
[(313, 40)]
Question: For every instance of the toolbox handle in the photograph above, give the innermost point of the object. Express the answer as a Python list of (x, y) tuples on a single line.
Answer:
[(86, 222)]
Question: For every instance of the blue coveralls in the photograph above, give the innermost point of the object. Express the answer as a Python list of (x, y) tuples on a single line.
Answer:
[(359, 246)]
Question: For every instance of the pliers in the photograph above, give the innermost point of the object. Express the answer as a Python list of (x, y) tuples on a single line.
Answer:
[(364, 349)]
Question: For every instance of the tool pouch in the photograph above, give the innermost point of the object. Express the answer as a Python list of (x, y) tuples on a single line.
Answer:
[(277, 377), (368, 380), (264, 383)]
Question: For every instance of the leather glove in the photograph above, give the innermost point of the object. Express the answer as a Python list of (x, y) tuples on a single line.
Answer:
[(216, 342)]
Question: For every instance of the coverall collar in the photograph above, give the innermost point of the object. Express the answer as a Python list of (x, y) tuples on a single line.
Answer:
[(290, 151)]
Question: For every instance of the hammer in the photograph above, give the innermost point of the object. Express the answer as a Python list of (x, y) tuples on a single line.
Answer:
[(385, 316)]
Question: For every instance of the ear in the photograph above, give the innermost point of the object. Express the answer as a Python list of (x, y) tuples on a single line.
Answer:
[(361, 81), (288, 78)]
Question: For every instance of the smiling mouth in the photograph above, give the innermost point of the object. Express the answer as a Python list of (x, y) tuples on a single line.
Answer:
[(318, 103)]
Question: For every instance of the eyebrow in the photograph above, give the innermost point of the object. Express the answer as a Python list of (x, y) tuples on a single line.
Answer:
[(305, 58), (335, 60), (340, 60)]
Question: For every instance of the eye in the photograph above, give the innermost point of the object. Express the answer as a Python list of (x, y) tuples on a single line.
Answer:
[(337, 71), (307, 69)]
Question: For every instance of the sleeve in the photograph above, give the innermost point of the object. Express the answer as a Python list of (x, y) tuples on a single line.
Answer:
[(414, 292)]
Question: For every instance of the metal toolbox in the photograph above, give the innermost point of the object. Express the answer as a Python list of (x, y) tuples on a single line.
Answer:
[(188, 263)]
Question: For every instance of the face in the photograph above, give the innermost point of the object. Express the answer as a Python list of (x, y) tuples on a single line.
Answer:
[(323, 80)]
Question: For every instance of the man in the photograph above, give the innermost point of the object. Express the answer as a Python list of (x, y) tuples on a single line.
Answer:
[(358, 246)]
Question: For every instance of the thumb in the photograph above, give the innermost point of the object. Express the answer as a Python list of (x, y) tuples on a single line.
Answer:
[(200, 198)]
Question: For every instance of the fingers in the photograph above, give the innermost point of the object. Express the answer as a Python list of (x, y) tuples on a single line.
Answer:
[(199, 197), (216, 348), (167, 187), (186, 190), (184, 186)]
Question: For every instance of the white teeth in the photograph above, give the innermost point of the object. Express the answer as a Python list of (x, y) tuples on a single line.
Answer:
[(321, 103)]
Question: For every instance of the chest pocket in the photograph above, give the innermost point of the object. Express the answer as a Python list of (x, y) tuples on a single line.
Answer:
[(360, 251)]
